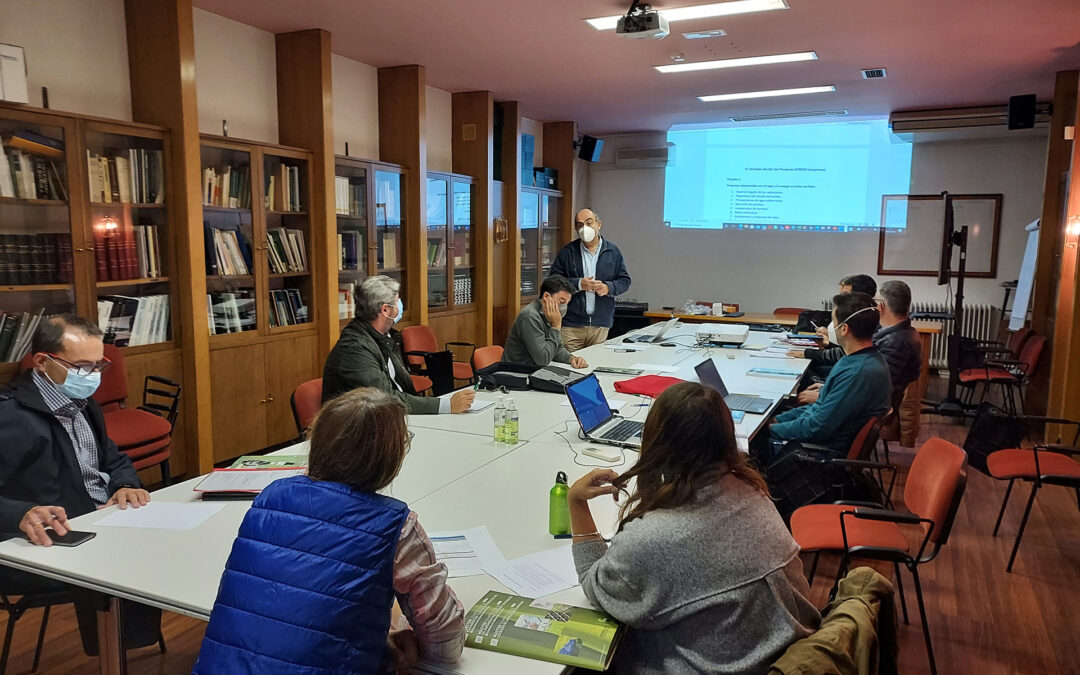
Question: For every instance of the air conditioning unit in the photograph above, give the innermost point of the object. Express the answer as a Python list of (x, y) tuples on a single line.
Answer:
[(959, 118), (644, 158)]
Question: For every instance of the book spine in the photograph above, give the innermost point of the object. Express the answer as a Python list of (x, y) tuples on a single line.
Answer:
[(131, 259), (101, 258), (65, 269)]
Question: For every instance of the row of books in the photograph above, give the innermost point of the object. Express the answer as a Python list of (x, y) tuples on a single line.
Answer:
[(350, 196), (228, 252), (346, 294), (125, 251), (129, 322), (135, 177), (229, 186), (16, 330), (26, 173), (283, 189), (287, 308), (350, 250), (389, 250), (436, 253), (287, 251), (43, 258), (231, 311)]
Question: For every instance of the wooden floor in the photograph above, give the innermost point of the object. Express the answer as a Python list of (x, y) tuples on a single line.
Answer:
[(983, 620)]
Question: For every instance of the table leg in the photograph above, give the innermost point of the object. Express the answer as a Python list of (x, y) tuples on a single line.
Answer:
[(111, 659)]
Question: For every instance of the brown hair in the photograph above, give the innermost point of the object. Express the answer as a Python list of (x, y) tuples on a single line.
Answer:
[(688, 433), (359, 439)]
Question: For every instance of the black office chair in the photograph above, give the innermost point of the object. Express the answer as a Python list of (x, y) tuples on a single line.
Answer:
[(16, 609)]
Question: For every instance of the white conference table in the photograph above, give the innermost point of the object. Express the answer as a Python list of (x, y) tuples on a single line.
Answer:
[(455, 477)]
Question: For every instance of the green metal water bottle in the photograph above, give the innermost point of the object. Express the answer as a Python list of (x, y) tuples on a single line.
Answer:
[(559, 506)]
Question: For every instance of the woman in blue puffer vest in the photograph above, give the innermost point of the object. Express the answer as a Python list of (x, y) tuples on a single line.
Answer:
[(319, 559)]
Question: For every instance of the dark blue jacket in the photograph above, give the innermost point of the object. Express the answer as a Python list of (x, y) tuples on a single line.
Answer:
[(309, 583), (610, 269)]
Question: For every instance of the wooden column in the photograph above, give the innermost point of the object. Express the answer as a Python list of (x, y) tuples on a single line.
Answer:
[(402, 113), (161, 55), (559, 154), (473, 129), (306, 120), (1051, 228), (511, 250), (1065, 361)]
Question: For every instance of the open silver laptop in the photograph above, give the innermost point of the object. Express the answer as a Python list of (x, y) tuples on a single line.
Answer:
[(596, 419), (658, 336)]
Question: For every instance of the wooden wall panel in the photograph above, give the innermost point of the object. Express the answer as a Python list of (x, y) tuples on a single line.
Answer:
[(473, 130), (239, 392), (288, 363), (457, 326), (559, 153), (510, 251)]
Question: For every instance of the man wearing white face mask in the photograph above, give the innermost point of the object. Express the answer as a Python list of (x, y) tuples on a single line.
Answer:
[(597, 272), (367, 356)]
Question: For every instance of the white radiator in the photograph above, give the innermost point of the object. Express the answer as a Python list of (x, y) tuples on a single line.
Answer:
[(980, 322)]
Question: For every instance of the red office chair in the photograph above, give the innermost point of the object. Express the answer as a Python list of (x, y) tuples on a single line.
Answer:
[(306, 401), (1011, 375), (419, 342), (934, 488), (789, 311), (1044, 464), (486, 356), (144, 434)]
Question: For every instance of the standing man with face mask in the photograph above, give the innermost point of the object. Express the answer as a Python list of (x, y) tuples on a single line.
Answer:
[(367, 356), (595, 269)]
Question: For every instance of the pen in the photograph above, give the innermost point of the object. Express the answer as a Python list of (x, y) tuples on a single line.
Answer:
[(816, 327)]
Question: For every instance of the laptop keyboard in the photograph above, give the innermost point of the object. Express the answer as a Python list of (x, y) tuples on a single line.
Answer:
[(561, 372), (622, 431), (742, 401)]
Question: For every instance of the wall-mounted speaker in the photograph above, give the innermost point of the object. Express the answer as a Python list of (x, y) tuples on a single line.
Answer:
[(1022, 111), (590, 148)]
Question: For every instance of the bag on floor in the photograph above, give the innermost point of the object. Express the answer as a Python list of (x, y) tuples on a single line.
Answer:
[(992, 430)]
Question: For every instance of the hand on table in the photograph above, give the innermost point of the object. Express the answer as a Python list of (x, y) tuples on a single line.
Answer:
[(35, 521), (797, 353), (596, 483), (402, 649), (578, 362), (462, 401), (551, 311), (135, 497)]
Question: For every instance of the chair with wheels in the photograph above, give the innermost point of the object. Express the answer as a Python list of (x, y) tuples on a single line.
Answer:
[(933, 491), (305, 402)]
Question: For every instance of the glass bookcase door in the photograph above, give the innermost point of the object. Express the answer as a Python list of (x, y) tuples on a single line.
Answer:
[(530, 245), (129, 220), (36, 253), (389, 225), (229, 238), (350, 206), (461, 252), (287, 240), (549, 241), (437, 244)]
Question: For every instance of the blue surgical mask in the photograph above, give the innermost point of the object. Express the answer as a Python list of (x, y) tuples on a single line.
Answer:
[(400, 310), (78, 386)]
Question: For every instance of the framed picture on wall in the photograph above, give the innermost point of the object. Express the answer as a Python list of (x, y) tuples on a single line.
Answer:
[(909, 241)]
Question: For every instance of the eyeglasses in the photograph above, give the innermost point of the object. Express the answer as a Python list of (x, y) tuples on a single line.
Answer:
[(99, 367)]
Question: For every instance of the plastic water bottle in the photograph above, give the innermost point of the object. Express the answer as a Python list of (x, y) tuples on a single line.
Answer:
[(510, 433), (500, 421), (559, 506)]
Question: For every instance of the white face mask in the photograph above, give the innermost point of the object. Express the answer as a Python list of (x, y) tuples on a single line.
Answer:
[(587, 234), (832, 329)]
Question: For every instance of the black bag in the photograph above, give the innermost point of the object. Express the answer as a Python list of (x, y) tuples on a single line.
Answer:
[(504, 374), (992, 430), (807, 319)]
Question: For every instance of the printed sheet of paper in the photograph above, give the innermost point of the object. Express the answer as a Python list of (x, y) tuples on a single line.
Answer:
[(244, 480), (538, 574), (163, 515), (466, 552)]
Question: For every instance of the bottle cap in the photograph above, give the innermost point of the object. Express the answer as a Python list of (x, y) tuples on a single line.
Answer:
[(560, 478)]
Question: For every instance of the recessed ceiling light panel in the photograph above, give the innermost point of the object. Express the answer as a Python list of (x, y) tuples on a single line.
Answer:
[(739, 62), (700, 12), (767, 93), (705, 34)]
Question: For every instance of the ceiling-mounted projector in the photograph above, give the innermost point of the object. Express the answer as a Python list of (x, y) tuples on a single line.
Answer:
[(642, 21)]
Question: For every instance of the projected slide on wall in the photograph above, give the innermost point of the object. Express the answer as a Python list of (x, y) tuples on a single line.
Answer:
[(795, 177)]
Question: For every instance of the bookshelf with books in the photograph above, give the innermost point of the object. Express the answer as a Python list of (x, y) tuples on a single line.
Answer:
[(449, 240), (288, 236), (539, 229)]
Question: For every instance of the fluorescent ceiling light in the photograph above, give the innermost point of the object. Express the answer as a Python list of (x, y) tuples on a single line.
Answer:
[(766, 94), (738, 63), (699, 12), (705, 34)]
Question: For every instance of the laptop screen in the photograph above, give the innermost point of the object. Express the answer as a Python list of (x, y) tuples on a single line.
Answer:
[(589, 403), (710, 376)]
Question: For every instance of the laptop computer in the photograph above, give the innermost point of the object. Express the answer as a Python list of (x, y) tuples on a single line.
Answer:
[(710, 377), (649, 337), (596, 419)]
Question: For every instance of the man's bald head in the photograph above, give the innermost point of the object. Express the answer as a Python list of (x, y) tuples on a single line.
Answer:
[(586, 217)]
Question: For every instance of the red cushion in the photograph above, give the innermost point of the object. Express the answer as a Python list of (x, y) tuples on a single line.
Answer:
[(128, 427), (462, 371), (985, 375), (646, 385), (151, 454), (1021, 464), (817, 528), (420, 383)]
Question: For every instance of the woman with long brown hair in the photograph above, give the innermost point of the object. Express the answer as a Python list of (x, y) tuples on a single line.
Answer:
[(701, 568)]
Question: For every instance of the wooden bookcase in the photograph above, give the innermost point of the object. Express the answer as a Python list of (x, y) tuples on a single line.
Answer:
[(539, 222), (450, 241)]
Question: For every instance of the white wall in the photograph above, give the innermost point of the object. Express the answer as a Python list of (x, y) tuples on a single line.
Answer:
[(439, 129), (764, 270), (77, 49), (236, 78), (356, 107)]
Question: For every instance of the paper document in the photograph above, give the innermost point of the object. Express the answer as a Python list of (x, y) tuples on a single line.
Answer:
[(163, 515), (243, 480), (616, 404), (628, 346), (771, 355), (478, 403), (538, 574), (658, 367), (466, 552)]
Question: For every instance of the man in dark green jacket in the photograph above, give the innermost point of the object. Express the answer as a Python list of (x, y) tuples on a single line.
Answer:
[(536, 336), (366, 356)]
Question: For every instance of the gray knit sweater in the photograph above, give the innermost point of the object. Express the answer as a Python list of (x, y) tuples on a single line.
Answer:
[(715, 586)]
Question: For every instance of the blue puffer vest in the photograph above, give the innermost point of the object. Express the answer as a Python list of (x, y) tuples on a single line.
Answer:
[(309, 583)]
